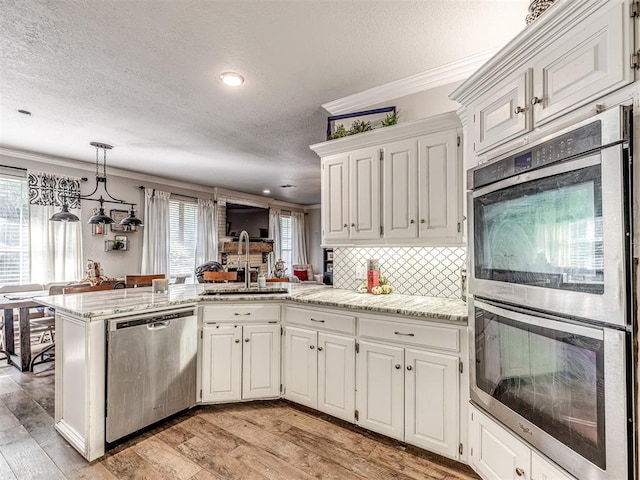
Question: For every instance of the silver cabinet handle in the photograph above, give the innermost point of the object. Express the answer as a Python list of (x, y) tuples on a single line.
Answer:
[(345, 225), (422, 220), (320, 349), (398, 366), (518, 110), (405, 334), (353, 224), (237, 340), (246, 340), (409, 367), (535, 100), (319, 321), (312, 347), (412, 221), (242, 314), (519, 472)]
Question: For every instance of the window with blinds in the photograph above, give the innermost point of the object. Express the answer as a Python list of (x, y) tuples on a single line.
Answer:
[(286, 241), (183, 217), (14, 227)]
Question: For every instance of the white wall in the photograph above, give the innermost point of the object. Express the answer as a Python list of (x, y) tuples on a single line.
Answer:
[(314, 237)]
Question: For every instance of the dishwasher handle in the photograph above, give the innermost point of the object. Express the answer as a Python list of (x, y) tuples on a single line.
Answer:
[(156, 318), (157, 325)]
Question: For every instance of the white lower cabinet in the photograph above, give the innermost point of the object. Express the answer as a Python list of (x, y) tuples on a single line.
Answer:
[(410, 394), (240, 362), (496, 454), (320, 371)]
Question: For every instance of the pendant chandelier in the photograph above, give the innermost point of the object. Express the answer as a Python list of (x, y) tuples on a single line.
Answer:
[(66, 216)]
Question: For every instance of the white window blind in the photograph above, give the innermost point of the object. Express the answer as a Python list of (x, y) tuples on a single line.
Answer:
[(286, 241), (14, 229), (182, 238)]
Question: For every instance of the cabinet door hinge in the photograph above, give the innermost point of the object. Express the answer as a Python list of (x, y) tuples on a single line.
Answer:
[(635, 61), (357, 347), (200, 394), (471, 451), (459, 226), (281, 331), (281, 389), (460, 367), (381, 230), (460, 449), (634, 9), (381, 154), (201, 333), (356, 415), (458, 140)]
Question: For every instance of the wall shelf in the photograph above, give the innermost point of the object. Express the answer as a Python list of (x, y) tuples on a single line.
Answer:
[(116, 245)]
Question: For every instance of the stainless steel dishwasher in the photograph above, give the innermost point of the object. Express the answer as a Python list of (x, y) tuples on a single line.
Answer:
[(151, 369)]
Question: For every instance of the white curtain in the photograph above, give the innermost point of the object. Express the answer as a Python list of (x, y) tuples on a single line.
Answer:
[(299, 234), (274, 234), (155, 239), (55, 247), (207, 232)]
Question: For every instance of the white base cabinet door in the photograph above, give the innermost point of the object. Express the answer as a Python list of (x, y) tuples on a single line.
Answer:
[(336, 375), (301, 364), (431, 401), (381, 389), (221, 363), (320, 371), (496, 454), (240, 362), (260, 361)]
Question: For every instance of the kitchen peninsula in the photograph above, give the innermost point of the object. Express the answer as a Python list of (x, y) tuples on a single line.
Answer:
[(295, 322)]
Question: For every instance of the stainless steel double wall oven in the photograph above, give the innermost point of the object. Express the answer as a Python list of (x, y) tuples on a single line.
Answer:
[(549, 314)]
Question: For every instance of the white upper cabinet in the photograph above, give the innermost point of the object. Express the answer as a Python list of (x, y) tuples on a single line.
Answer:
[(335, 198), (571, 57), (401, 189), (503, 113), (399, 185), (440, 187), (364, 194)]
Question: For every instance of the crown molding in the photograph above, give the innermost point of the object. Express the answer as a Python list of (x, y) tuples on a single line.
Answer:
[(436, 77), (379, 136)]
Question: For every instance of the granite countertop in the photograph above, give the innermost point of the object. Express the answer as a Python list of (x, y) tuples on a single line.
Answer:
[(101, 304)]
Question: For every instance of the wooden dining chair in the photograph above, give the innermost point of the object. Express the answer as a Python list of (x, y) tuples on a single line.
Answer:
[(220, 276), (133, 281), (87, 288)]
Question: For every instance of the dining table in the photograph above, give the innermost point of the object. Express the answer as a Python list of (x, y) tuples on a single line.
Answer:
[(23, 302)]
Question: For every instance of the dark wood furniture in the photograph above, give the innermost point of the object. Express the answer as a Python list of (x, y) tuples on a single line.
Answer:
[(132, 281)]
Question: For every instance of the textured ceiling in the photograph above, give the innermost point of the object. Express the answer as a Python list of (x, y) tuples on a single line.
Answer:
[(142, 76)]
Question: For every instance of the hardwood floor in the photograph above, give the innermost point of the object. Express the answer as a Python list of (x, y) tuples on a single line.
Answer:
[(257, 440)]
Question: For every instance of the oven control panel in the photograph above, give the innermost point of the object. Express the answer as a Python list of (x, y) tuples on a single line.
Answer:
[(562, 147)]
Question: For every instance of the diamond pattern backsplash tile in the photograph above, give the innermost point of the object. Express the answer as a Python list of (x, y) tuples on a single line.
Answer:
[(427, 271)]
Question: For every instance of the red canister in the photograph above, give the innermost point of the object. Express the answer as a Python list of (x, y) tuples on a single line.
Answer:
[(373, 274)]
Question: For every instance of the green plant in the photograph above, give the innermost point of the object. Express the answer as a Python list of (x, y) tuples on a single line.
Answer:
[(360, 126), (390, 119), (340, 132), (118, 245)]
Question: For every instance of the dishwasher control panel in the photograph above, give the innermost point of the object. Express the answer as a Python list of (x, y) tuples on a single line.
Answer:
[(144, 320)]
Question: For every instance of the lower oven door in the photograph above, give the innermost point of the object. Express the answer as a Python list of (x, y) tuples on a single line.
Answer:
[(561, 386)]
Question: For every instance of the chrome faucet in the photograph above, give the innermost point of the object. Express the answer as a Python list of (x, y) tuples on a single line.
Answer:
[(247, 266)]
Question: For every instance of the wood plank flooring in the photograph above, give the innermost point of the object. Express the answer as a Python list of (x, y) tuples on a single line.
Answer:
[(248, 441)]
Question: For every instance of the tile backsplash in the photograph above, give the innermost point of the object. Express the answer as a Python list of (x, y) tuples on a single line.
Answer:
[(428, 271)]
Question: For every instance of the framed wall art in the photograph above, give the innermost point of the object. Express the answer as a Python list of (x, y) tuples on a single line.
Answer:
[(117, 216)]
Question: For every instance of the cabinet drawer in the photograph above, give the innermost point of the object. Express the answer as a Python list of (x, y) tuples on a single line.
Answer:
[(431, 336), (236, 313), (321, 320)]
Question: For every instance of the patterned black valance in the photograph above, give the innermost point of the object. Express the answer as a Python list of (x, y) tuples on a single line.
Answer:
[(50, 189)]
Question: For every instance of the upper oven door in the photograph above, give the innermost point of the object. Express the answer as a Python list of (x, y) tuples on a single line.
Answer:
[(553, 239)]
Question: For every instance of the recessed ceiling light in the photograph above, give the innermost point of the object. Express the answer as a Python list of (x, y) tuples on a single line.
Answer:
[(25, 112), (266, 190), (232, 79)]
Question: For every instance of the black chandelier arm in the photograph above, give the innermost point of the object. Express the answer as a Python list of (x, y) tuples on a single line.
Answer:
[(102, 200)]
